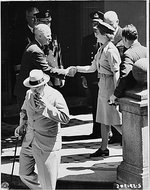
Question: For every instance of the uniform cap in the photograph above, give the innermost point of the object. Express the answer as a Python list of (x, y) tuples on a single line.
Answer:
[(43, 14), (97, 15)]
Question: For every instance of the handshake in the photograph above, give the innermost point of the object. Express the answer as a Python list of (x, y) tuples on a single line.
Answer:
[(71, 71)]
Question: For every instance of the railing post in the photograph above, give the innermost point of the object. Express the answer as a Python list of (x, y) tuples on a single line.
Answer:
[(133, 172)]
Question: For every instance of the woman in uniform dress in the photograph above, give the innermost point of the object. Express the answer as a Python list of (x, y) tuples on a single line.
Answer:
[(106, 62)]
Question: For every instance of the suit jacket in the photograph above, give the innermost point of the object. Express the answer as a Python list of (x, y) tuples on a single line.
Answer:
[(22, 38), (34, 58), (127, 81), (43, 124), (89, 49)]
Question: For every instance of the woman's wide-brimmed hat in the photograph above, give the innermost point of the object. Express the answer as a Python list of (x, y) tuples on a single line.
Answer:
[(106, 27), (36, 78)]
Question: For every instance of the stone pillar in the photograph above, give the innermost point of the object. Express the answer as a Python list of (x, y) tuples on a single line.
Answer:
[(133, 172)]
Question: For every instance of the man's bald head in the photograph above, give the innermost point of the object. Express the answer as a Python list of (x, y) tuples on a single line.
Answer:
[(42, 33), (111, 18)]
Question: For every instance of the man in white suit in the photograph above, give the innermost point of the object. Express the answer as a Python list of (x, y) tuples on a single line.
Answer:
[(43, 110)]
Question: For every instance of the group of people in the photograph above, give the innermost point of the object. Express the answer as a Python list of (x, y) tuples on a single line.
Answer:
[(43, 108), (52, 51)]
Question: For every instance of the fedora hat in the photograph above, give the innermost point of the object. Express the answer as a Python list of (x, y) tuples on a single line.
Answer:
[(36, 78)]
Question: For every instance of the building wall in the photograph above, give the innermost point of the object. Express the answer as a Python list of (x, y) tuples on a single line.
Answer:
[(130, 12)]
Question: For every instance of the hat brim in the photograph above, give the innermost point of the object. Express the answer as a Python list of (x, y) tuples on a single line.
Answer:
[(97, 20), (101, 22), (27, 84)]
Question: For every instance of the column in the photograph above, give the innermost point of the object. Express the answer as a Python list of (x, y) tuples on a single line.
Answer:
[(133, 172)]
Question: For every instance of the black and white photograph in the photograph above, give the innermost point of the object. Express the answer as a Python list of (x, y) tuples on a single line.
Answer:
[(75, 95)]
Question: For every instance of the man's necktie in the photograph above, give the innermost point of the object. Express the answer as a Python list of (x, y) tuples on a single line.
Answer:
[(36, 97)]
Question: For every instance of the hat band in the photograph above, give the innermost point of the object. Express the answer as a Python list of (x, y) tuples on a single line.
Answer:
[(36, 82)]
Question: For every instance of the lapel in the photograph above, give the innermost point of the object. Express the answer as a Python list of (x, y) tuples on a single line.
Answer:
[(30, 34), (31, 102)]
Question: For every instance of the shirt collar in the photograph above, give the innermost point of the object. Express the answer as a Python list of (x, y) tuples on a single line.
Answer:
[(30, 28), (42, 47), (116, 30), (135, 43)]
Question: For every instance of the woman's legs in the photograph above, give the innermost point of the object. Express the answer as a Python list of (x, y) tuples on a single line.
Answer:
[(103, 151), (105, 129)]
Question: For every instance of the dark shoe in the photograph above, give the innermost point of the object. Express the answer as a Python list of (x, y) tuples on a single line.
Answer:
[(100, 152)]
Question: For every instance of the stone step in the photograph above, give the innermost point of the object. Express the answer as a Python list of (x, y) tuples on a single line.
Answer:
[(61, 184)]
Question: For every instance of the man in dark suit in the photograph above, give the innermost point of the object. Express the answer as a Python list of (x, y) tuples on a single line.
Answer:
[(111, 18), (53, 50), (23, 35), (34, 58), (134, 52), (89, 49)]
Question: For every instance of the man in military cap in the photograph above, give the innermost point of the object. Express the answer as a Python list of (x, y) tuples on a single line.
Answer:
[(89, 49), (44, 17)]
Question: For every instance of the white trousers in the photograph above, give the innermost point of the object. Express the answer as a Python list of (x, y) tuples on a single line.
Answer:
[(47, 165)]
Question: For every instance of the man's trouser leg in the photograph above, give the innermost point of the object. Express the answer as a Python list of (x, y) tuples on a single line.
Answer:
[(27, 167), (47, 165)]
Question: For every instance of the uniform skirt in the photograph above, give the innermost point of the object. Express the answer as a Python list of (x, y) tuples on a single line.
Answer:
[(107, 114)]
